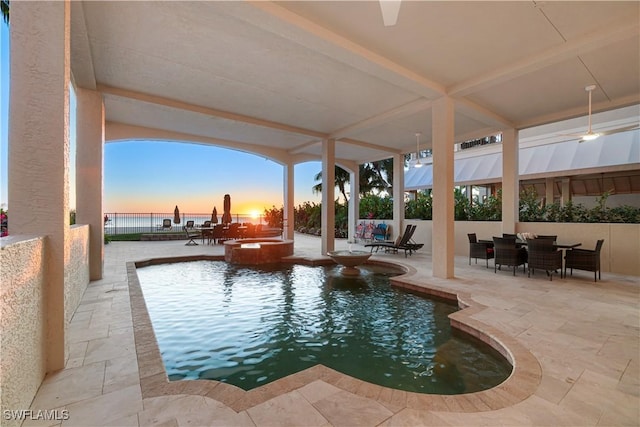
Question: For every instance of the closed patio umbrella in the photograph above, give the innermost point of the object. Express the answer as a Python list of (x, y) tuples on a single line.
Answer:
[(176, 215), (214, 216), (226, 216)]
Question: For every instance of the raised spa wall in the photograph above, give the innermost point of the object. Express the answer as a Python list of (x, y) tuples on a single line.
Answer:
[(257, 251)]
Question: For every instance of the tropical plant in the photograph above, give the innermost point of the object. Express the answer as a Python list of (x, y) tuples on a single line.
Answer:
[(380, 207), (4, 5), (274, 217), (421, 207)]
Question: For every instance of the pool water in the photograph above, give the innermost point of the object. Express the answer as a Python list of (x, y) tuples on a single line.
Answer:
[(249, 326)]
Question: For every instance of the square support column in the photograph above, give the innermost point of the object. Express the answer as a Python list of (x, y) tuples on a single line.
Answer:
[(565, 197), (328, 214), (39, 147), (549, 184), (443, 198), (510, 181), (354, 202), (398, 194), (89, 174), (288, 214)]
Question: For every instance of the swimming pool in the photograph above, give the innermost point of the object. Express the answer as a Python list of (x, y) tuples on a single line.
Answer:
[(250, 326)]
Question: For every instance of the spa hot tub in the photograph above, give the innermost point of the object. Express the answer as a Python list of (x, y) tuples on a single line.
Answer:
[(257, 251)]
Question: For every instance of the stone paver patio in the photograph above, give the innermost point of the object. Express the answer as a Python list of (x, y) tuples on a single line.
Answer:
[(574, 343)]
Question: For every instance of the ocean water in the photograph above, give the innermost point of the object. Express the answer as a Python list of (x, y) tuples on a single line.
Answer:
[(152, 222)]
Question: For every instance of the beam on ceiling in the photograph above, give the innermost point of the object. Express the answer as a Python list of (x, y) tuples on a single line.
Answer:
[(580, 111), (393, 114), (81, 58), (322, 40), (481, 114), (371, 146), (613, 33), (115, 131), (172, 103)]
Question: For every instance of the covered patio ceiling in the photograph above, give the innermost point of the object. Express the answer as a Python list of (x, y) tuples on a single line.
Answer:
[(284, 76)]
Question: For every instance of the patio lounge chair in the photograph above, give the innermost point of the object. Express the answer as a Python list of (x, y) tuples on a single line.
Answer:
[(401, 243), (543, 255), (584, 259), (191, 236), (479, 250), (166, 225), (507, 253)]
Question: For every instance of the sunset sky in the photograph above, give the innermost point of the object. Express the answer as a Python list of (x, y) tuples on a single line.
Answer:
[(155, 176)]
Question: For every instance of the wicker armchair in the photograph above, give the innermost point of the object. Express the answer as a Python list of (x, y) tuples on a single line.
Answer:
[(543, 255), (479, 250), (584, 259), (507, 253)]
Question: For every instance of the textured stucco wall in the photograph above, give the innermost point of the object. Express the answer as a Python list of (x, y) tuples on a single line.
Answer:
[(76, 271), (23, 323)]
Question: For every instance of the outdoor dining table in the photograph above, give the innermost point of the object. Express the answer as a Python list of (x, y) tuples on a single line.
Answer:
[(562, 246), (524, 243)]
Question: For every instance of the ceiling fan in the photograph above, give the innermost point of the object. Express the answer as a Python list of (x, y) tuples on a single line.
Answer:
[(590, 135), (390, 10)]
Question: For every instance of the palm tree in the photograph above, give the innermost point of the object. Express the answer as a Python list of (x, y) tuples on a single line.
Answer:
[(341, 179), (374, 177), (4, 5)]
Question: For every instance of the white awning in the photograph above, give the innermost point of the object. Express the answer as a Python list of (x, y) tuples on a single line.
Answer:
[(608, 153)]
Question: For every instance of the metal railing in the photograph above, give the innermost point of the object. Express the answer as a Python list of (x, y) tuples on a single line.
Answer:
[(129, 223)]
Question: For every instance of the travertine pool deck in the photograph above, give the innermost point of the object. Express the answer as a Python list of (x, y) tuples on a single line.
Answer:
[(575, 344)]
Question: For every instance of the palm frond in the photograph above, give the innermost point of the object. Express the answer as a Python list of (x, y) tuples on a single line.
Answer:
[(4, 5)]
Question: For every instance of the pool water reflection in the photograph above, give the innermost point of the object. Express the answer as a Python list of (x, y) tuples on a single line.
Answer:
[(250, 326)]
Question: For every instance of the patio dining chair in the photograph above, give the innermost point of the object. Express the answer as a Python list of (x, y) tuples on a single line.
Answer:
[(191, 236), (507, 253), (542, 254), (584, 259), (479, 250)]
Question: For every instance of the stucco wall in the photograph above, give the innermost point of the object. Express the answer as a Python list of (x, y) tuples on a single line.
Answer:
[(23, 322), (620, 252), (76, 270)]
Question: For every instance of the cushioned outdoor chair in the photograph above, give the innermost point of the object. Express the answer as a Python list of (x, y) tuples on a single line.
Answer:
[(191, 236), (584, 259), (403, 242), (166, 225), (507, 253), (217, 234), (479, 250), (542, 254)]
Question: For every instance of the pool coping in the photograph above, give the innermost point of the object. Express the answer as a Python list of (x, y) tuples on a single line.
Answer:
[(522, 383)]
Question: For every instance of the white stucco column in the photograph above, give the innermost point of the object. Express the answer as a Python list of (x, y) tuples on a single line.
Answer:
[(354, 201), (89, 173), (510, 181), (443, 199), (328, 214), (548, 189), (39, 147), (288, 214), (398, 195), (565, 197)]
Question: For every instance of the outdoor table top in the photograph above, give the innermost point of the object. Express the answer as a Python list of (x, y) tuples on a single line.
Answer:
[(524, 243)]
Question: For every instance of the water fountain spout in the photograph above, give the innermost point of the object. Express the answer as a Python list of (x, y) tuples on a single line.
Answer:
[(350, 260)]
